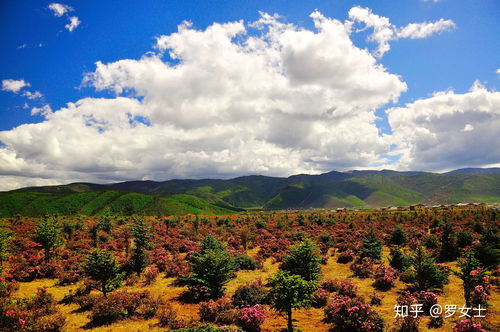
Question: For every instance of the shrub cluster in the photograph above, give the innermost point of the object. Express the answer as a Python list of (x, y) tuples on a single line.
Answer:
[(362, 268), (384, 277), (349, 314), (121, 305)]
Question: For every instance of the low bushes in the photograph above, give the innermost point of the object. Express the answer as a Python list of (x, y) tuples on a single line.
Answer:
[(249, 295), (345, 257), (121, 305), (220, 311), (349, 314), (167, 317), (384, 277), (38, 313), (362, 268), (251, 318), (468, 325)]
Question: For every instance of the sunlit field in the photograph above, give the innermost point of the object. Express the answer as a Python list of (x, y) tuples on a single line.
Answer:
[(322, 271)]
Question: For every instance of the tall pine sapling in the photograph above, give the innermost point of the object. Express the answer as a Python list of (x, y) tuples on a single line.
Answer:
[(101, 266), (304, 261), (290, 292), (372, 247), (142, 236), (48, 234)]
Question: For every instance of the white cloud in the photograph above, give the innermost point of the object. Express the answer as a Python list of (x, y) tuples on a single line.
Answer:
[(74, 22), (498, 71), (44, 110), (281, 101), (33, 95), (468, 127), (59, 9), (426, 29), (384, 31), (448, 130), (14, 85)]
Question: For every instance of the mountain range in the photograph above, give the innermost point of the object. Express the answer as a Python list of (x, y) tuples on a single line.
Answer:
[(363, 189)]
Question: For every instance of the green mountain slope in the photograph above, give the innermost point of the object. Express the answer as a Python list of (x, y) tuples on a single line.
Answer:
[(328, 190), (90, 203)]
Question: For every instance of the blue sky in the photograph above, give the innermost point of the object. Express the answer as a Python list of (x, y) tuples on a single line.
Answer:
[(39, 49)]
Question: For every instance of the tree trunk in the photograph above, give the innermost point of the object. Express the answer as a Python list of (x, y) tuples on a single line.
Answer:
[(290, 325)]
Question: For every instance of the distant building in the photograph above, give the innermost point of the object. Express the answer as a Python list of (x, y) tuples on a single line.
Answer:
[(416, 207)]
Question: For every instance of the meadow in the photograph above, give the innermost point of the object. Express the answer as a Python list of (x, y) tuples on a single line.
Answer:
[(262, 271)]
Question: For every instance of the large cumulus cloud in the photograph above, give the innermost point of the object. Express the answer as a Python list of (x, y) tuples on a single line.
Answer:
[(232, 99), (448, 130)]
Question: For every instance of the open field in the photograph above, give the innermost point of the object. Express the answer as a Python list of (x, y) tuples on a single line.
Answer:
[(264, 240)]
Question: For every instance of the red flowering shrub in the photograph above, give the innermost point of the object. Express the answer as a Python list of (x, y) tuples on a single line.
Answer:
[(68, 268), (85, 302), (150, 274), (427, 299), (407, 299), (384, 277), (347, 287), (277, 249), (352, 315), (167, 317), (28, 264), (7, 287), (220, 311), (172, 264), (31, 314), (121, 305), (320, 298), (362, 268), (468, 325), (409, 323), (479, 296), (250, 318), (329, 285), (345, 257)]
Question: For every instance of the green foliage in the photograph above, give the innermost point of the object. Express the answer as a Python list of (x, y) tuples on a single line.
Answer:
[(464, 238), (398, 259), (212, 267), (290, 292), (245, 262), (431, 241), (487, 251), (304, 261), (470, 280), (448, 250), (399, 236), (142, 236), (101, 266), (5, 237), (372, 247), (426, 275), (248, 296), (47, 233), (209, 242)]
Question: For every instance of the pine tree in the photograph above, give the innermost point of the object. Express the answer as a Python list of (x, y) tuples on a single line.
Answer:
[(142, 235), (290, 292), (48, 234), (102, 267), (304, 261)]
